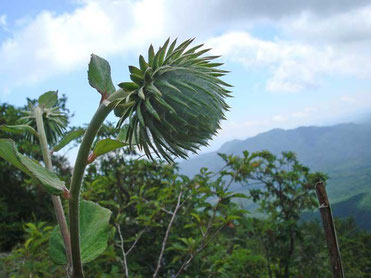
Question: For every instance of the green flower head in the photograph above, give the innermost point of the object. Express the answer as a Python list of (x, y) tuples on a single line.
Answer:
[(175, 101), (55, 121)]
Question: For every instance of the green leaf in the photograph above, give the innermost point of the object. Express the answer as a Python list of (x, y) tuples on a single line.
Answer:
[(122, 133), (137, 78), (48, 179), (142, 63), (72, 135), (104, 146), (162, 52), (171, 48), (135, 70), (238, 195), (128, 86), (94, 225), (151, 55), (154, 89), (195, 215), (151, 110), (99, 75), (19, 129), (48, 99), (9, 152)]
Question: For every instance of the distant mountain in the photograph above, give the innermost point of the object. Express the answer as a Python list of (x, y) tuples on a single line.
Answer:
[(356, 207), (342, 151)]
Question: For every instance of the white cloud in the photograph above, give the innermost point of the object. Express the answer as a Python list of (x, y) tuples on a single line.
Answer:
[(320, 40), (293, 65), (348, 99), (279, 118), (3, 20), (306, 113), (207, 14), (51, 44), (347, 27)]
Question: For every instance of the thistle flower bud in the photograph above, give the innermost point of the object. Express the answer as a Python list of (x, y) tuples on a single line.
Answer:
[(55, 121), (175, 101)]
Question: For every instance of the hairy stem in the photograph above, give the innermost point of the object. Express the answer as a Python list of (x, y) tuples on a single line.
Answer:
[(58, 208), (77, 177)]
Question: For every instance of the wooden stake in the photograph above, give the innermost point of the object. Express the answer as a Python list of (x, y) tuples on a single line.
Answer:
[(330, 232)]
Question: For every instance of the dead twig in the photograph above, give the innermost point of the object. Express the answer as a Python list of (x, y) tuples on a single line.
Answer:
[(178, 205), (135, 242), (330, 232), (124, 262)]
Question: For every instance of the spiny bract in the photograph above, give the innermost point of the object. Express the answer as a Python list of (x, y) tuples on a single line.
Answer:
[(176, 100)]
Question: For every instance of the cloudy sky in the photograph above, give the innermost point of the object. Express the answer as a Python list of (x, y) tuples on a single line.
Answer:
[(292, 62)]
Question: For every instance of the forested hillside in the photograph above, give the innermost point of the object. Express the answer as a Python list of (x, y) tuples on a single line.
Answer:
[(178, 225), (341, 151)]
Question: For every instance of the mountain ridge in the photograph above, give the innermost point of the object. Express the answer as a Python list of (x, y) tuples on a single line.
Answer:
[(341, 151)]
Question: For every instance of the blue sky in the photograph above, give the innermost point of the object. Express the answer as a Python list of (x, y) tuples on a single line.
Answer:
[(292, 63)]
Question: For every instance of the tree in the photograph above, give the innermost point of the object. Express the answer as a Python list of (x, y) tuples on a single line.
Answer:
[(160, 222), (283, 188), (355, 248), (170, 220)]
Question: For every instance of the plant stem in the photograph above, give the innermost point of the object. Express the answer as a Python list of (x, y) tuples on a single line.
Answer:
[(58, 208), (78, 172)]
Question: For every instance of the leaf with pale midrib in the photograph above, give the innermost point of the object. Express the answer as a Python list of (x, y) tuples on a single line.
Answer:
[(48, 179)]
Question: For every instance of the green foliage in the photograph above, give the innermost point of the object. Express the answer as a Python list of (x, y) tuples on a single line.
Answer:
[(283, 188), (9, 152), (165, 224), (21, 197), (143, 196), (30, 258), (341, 151), (356, 207), (48, 99), (105, 146), (238, 261), (68, 137), (175, 102), (18, 129), (355, 250), (48, 179), (99, 75), (94, 234)]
